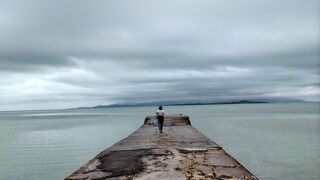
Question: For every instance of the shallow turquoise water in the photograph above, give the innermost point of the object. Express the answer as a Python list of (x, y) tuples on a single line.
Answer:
[(274, 141)]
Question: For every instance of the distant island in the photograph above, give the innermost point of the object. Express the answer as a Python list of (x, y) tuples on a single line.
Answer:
[(184, 103), (167, 103)]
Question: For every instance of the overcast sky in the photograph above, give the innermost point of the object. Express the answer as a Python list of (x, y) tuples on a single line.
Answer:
[(60, 54)]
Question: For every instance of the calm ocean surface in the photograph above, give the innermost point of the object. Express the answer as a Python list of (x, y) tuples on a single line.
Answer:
[(273, 141)]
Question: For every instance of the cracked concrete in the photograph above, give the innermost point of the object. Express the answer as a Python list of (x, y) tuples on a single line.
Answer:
[(180, 152)]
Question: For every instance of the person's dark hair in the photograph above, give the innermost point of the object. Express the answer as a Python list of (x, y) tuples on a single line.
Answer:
[(160, 107)]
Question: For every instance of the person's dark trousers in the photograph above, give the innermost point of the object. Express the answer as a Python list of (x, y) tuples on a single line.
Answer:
[(160, 122)]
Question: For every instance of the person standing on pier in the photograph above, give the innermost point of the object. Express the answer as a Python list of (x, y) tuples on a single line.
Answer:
[(160, 117)]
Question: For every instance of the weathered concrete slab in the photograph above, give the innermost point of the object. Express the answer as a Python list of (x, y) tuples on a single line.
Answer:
[(180, 152)]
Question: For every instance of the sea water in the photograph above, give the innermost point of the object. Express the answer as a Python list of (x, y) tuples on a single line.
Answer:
[(273, 141)]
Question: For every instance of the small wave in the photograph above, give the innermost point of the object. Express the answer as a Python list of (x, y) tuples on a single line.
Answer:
[(66, 114)]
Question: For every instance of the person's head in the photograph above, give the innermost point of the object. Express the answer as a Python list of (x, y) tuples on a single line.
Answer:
[(160, 108)]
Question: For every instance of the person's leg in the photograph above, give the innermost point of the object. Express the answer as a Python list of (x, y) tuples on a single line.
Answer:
[(161, 124)]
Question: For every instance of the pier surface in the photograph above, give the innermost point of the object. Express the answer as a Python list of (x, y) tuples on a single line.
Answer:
[(180, 152)]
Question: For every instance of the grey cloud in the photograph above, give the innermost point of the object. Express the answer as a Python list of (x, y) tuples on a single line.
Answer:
[(100, 52), (24, 62)]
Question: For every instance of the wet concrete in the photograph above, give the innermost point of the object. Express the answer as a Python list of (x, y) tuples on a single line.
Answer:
[(180, 152)]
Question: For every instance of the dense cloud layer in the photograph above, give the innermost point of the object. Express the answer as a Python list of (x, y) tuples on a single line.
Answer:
[(58, 54)]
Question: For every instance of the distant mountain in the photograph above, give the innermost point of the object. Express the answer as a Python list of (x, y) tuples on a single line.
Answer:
[(284, 100), (181, 103), (172, 103)]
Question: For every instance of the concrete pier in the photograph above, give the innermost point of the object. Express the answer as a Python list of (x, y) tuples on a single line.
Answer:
[(180, 152)]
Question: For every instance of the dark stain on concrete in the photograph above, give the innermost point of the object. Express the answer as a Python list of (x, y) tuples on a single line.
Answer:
[(122, 163)]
